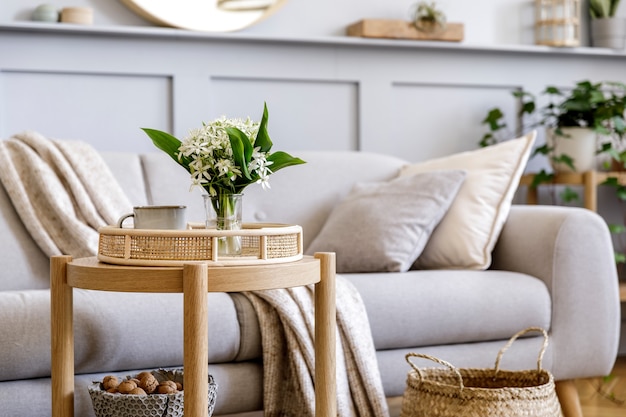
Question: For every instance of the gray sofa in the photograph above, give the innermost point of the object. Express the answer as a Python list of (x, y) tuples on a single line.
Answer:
[(552, 267)]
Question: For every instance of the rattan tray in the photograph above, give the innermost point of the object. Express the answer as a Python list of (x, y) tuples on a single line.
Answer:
[(261, 243)]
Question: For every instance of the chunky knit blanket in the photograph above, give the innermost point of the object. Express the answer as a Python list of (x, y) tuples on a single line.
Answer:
[(63, 192)]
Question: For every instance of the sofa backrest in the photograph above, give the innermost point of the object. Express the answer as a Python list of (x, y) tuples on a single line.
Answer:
[(303, 195)]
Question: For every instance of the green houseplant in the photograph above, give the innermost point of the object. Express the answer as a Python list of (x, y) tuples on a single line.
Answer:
[(599, 9), (607, 30), (595, 107)]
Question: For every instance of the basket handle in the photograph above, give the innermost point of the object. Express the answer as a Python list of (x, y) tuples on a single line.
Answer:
[(521, 333), (408, 357)]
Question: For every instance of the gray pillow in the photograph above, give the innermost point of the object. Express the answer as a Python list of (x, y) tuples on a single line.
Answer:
[(384, 226)]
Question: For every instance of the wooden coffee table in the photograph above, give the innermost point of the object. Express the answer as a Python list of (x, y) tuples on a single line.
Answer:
[(194, 280)]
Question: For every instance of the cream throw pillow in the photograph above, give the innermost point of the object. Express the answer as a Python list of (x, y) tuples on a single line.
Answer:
[(466, 236), (384, 226)]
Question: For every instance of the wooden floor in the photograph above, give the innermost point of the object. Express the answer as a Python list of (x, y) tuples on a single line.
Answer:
[(605, 397)]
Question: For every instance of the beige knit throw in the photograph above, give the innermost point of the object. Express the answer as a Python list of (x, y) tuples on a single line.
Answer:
[(62, 190), (287, 322)]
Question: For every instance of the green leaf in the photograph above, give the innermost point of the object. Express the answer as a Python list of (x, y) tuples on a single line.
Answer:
[(621, 193), (568, 195), (487, 140), (263, 140), (620, 258), (242, 149), (493, 118), (617, 228), (565, 159), (528, 107), (282, 160), (168, 144), (612, 181), (551, 90), (542, 150), (542, 177)]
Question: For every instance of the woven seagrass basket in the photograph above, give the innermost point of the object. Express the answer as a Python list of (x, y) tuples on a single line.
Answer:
[(453, 392), (154, 405)]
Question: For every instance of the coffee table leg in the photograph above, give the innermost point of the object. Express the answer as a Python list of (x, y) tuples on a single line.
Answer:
[(325, 338), (195, 334), (62, 338)]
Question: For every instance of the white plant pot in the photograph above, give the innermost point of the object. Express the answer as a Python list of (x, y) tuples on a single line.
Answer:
[(608, 32), (579, 143)]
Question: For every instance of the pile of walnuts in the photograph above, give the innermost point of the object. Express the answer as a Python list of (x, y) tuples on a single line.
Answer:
[(143, 384)]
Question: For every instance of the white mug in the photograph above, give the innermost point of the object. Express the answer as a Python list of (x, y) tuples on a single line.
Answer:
[(157, 217)]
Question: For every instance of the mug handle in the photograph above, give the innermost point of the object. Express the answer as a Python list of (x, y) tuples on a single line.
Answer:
[(124, 217)]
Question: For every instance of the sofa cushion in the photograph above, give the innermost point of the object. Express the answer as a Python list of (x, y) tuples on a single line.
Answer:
[(384, 226), (112, 331), (127, 169), (468, 233), (25, 265), (435, 307)]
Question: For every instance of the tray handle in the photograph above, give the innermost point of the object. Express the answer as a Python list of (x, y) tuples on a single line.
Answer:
[(408, 357), (542, 351)]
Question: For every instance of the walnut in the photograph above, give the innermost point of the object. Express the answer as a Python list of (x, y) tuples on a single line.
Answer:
[(148, 382), (143, 374), (166, 387), (137, 391), (126, 386), (113, 391), (109, 382)]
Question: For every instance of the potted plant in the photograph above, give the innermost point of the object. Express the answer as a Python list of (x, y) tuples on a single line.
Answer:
[(427, 17), (607, 31), (574, 120)]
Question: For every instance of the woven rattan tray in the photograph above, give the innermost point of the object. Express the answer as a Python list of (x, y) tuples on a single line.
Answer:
[(261, 243)]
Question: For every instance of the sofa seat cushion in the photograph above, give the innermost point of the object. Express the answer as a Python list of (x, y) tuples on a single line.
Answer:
[(435, 307), (111, 331)]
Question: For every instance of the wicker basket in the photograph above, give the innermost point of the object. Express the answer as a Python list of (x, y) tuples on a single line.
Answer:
[(153, 405), (453, 392), (261, 243)]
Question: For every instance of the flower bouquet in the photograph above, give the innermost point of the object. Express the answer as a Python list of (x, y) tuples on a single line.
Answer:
[(224, 157)]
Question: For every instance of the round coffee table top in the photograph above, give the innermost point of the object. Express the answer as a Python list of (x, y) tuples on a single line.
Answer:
[(91, 274)]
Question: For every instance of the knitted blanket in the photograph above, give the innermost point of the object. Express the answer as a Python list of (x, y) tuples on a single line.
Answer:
[(63, 192), (287, 322)]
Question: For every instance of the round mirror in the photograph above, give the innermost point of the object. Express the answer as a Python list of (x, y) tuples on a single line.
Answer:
[(204, 15)]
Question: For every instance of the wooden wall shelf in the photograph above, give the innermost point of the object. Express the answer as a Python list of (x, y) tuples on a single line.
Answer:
[(401, 29)]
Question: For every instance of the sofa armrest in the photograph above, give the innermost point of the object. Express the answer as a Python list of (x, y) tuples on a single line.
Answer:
[(570, 249)]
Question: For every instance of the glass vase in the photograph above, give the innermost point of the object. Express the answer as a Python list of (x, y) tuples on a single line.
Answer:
[(224, 212)]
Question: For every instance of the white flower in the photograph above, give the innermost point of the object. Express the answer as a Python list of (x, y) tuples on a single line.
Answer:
[(210, 155)]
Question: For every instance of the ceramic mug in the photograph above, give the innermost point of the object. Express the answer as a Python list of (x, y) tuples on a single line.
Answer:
[(157, 217)]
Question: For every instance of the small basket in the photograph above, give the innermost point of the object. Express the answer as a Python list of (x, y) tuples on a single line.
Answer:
[(453, 392), (153, 405), (261, 243)]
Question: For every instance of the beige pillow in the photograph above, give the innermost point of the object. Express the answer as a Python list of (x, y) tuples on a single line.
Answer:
[(384, 226), (466, 236)]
